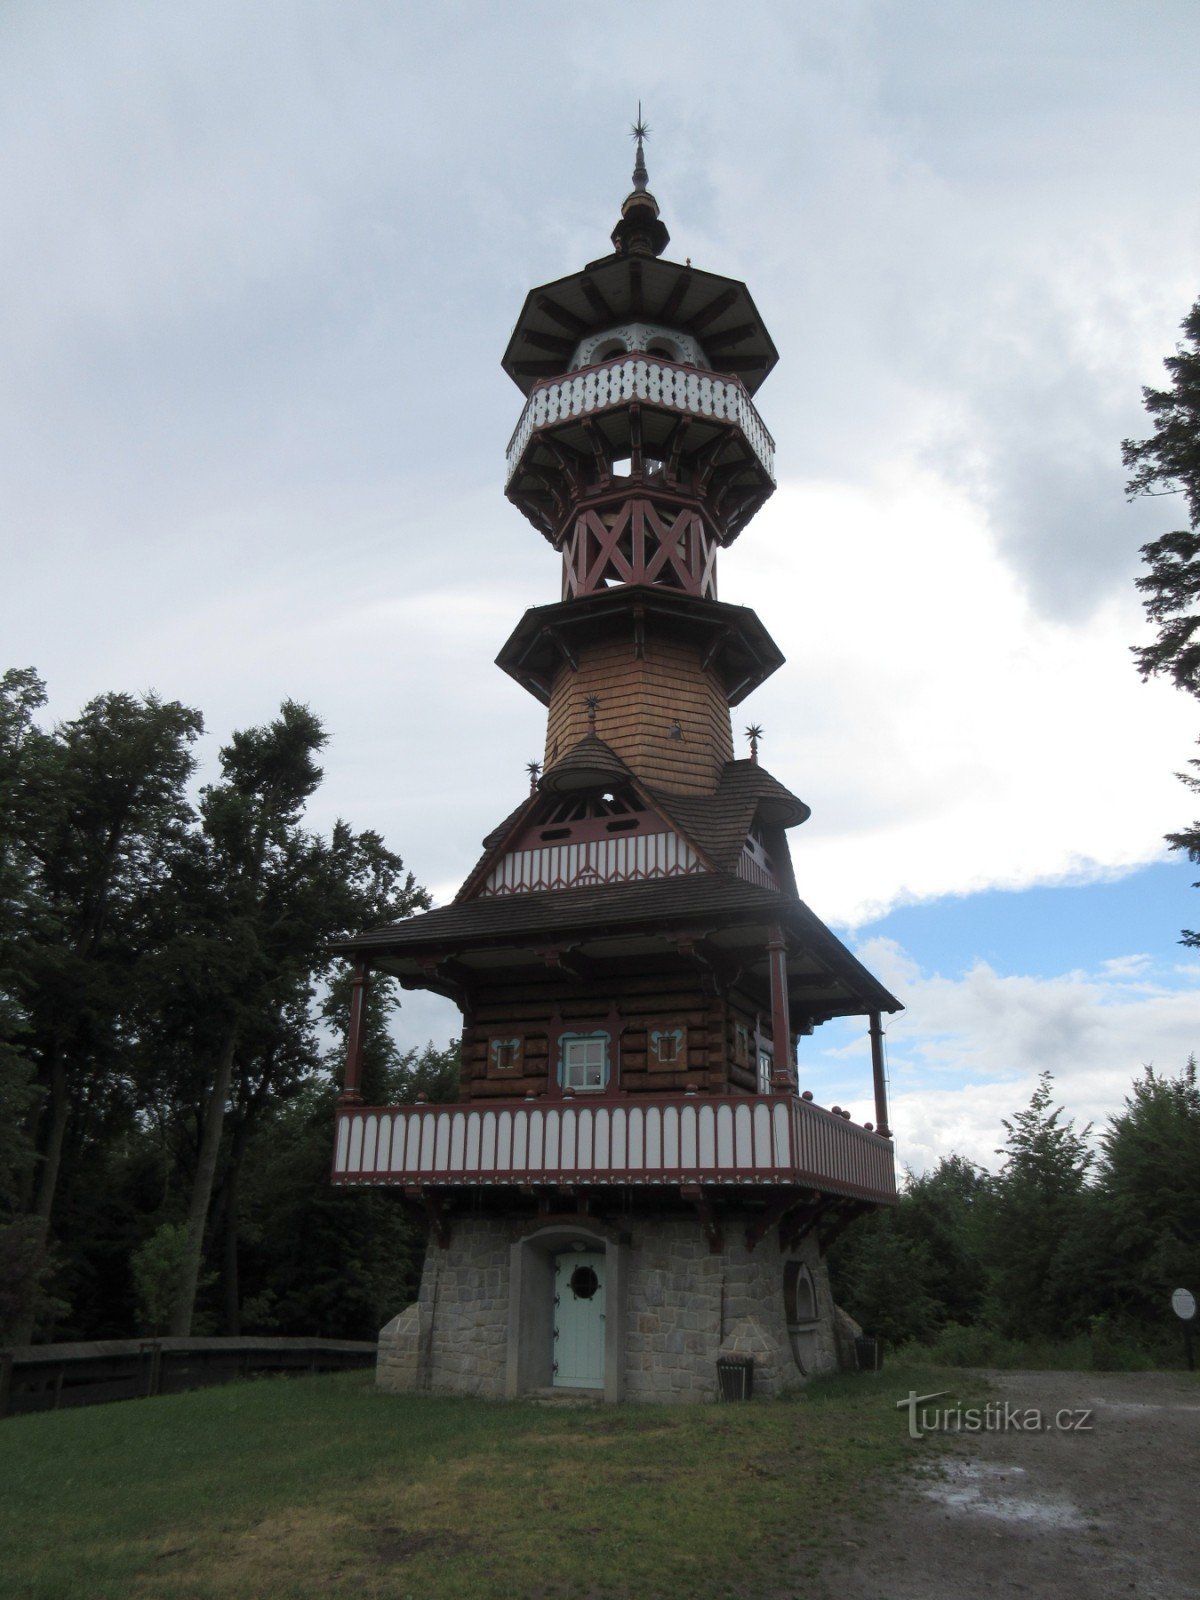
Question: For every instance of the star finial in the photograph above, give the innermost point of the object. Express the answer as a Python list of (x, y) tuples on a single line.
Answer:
[(533, 768), (640, 131), (754, 733), (592, 702)]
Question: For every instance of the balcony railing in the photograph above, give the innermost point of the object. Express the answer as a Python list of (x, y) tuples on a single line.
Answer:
[(688, 390), (745, 1140)]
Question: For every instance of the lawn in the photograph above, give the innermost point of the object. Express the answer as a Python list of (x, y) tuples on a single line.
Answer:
[(325, 1487)]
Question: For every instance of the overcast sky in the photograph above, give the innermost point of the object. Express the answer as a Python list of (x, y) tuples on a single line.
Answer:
[(258, 267)]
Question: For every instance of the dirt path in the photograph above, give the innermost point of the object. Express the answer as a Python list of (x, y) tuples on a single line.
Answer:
[(1106, 1508)]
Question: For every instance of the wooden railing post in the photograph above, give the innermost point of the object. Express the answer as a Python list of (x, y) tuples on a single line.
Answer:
[(351, 1094), (781, 1027), (881, 1106)]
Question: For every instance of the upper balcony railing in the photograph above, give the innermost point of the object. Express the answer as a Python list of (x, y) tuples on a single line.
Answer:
[(688, 390), (654, 1139)]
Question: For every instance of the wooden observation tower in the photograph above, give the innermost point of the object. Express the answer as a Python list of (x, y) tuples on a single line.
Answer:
[(633, 1184)]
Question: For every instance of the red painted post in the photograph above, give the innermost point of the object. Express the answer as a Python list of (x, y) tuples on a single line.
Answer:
[(781, 1028), (881, 1109), (354, 1047)]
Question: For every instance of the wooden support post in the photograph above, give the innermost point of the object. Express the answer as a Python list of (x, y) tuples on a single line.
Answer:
[(709, 1225), (351, 1094), (775, 1212), (881, 1108), (781, 1027)]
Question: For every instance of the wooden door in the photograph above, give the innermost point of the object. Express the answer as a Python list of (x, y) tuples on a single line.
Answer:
[(579, 1319)]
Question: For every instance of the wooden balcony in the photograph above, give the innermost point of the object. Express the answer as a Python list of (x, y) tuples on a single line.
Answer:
[(735, 1140), (653, 381)]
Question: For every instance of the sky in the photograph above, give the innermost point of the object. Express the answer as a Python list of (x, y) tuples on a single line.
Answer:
[(259, 265)]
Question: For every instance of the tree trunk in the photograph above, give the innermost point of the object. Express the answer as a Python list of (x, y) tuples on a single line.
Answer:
[(233, 1299), (202, 1188), (60, 1106)]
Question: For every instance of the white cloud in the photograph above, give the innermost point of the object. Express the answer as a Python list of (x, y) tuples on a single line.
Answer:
[(967, 1051), (948, 737)]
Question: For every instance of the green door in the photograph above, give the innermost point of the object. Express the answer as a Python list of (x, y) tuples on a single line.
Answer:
[(579, 1319)]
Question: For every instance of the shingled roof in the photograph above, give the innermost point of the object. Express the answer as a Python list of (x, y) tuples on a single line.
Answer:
[(715, 824), (719, 822), (589, 762), (711, 899)]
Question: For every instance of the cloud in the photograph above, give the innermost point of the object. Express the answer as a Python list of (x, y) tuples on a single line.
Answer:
[(967, 1051)]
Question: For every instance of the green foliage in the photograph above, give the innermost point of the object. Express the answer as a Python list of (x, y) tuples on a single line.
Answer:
[(1169, 463), (1149, 1166), (904, 1273), (155, 1267), (26, 1273), (1059, 1260), (161, 973), (1033, 1208)]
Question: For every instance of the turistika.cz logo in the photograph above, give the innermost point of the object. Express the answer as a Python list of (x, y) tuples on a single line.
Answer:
[(995, 1417)]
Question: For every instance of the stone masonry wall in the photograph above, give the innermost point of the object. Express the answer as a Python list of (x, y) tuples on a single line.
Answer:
[(454, 1336), (684, 1306)]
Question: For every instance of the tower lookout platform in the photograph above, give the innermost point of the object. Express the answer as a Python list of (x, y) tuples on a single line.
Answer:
[(634, 1184)]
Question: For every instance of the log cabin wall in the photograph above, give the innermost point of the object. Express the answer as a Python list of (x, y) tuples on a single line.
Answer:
[(641, 699), (648, 1003)]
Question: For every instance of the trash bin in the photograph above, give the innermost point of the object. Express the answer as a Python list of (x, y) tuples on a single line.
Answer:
[(870, 1354), (735, 1377)]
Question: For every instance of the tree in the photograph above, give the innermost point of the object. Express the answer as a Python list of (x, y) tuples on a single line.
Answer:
[(257, 901), (88, 814), (1034, 1213), (1150, 1156), (1169, 463)]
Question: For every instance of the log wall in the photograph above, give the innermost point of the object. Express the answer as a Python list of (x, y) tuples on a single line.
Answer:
[(532, 1011), (641, 698)]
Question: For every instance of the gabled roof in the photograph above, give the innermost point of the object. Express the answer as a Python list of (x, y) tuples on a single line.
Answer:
[(589, 764), (714, 825)]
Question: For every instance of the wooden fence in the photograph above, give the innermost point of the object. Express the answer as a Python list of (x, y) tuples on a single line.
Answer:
[(47, 1377)]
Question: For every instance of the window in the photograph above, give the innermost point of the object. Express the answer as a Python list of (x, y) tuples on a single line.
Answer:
[(585, 1063), (766, 1066), (667, 1046), (741, 1043), (505, 1055)]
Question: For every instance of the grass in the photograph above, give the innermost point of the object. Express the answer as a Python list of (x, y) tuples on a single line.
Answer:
[(1104, 1349), (326, 1487)]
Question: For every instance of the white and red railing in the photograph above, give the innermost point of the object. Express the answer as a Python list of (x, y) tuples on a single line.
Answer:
[(733, 1139), (652, 380)]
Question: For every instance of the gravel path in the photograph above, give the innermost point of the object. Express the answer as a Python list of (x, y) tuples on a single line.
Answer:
[(1109, 1508)]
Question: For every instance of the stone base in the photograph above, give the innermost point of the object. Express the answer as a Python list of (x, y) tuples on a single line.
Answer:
[(483, 1322)]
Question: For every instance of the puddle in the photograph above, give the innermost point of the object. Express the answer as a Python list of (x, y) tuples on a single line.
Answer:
[(982, 1489)]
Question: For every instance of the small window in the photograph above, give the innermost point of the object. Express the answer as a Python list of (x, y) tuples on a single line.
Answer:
[(584, 1068), (505, 1055), (667, 1046), (741, 1043), (766, 1066)]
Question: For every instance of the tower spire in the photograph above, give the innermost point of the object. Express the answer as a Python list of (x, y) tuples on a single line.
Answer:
[(640, 131), (640, 232)]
